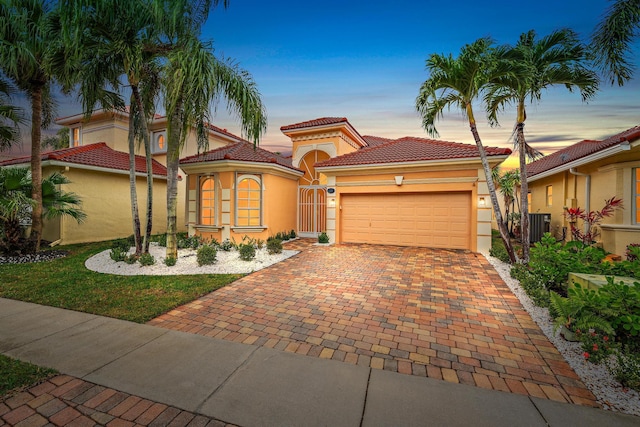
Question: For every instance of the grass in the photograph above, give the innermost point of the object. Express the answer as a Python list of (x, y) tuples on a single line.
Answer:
[(66, 283), (16, 374)]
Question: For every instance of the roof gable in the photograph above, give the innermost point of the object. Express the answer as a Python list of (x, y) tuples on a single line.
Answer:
[(323, 121), (242, 151), (97, 155), (579, 151), (409, 149)]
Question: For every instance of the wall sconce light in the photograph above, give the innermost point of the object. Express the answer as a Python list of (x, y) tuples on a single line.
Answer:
[(399, 179), (332, 202), (482, 202)]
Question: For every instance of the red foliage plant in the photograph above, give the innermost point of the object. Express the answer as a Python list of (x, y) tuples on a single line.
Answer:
[(589, 232)]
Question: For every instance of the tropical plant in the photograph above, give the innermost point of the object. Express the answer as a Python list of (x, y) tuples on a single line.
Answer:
[(24, 43), (530, 67), (170, 262), (612, 40), (16, 204), (458, 82), (194, 80), (633, 252), (591, 220), (99, 43), (323, 237), (508, 183), (146, 259), (574, 314), (10, 117), (57, 142), (206, 255), (627, 368), (246, 251), (274, 246)]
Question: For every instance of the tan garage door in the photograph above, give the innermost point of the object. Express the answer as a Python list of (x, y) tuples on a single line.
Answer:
[(437, 220)]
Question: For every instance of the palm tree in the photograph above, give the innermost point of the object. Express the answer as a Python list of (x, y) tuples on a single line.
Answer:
[(104, 41), (16, 203), (534, 65), (57, 142), (24, 43), (10, 117), (613, 37), (194, 81), (508, 183), (457, 82)]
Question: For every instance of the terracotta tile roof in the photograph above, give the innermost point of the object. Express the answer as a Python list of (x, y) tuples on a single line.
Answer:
[(96, 155), (579, 150), (410, 149), (242, 151), (376, 140), (316, 122)]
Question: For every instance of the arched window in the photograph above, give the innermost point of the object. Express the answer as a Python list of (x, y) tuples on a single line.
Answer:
[(161, 143), (207, 200), (248, 201)]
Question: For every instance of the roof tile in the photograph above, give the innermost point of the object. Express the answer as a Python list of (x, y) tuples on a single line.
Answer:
[(96, 155), (240, 151), (580, 150), (315, 122), (409, 149)]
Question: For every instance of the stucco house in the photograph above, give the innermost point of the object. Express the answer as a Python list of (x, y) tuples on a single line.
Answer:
[(357, 189), (584, 175)]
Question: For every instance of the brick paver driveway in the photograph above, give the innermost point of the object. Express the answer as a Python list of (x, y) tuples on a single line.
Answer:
[(428, 312)]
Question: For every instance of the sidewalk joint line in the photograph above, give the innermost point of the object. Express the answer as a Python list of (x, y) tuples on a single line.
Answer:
[(366, 394)]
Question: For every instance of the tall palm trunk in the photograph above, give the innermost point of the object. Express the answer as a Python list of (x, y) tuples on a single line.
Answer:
[(149, 166), (502, 228), (36, 167), (173, 154), (524, 190), (133, 192)]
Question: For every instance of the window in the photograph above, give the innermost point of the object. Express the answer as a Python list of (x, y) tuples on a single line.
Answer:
[(529, 199), (636, 194), (248, 201), (75, 137), (549, 195), (207, 200), (159, 142)]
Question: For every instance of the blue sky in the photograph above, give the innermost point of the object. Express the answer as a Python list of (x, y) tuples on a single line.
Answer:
[(364, 60)]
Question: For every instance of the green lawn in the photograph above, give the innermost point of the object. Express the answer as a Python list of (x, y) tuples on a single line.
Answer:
[(66, 283), (15, 374)]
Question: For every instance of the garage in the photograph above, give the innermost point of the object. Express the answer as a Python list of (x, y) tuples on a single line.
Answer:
[(437, 220)]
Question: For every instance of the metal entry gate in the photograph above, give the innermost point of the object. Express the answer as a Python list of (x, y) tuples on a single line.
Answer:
[(312, 212)]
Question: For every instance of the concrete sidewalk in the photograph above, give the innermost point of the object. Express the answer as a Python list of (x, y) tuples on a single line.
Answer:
[(256, 386)]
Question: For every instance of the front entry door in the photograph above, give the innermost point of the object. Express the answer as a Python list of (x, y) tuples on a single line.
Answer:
[(312, 212)]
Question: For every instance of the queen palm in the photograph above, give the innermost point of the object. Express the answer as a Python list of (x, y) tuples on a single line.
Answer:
[(194, 79), (613, 38), (458, 82), (531, 66), (24, 43)]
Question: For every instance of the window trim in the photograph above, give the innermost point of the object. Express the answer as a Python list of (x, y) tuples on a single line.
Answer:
[(216, 197), (635, 195), (72, 139), (154, 146), (548, 195), (258, 179)]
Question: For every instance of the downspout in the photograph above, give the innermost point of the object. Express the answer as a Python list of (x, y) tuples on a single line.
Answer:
[(587, 193)]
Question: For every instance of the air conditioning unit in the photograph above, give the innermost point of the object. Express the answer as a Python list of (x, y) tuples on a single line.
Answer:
[(538, 225)]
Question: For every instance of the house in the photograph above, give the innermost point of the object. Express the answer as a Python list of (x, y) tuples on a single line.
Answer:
[(97, 164), (585, 175), (357, 189)]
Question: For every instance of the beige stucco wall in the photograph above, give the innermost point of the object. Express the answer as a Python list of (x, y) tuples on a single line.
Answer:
[(106, 201), (611, 176)]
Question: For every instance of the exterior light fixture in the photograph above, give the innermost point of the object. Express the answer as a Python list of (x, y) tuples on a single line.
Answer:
[(482, 202)]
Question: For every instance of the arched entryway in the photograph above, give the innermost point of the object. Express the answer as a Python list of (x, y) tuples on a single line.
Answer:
[(312, 195)]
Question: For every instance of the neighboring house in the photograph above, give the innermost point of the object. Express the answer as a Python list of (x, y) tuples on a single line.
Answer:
[(100, 175), (585, 175), (407, 191), (97, 163)]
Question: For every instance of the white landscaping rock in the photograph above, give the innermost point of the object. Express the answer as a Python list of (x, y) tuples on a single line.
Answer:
[(597, 378)]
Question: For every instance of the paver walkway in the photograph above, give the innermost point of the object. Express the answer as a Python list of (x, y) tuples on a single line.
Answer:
[(435, 313), (67, 401)]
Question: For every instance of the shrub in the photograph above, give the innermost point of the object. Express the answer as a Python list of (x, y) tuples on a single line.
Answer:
[(633, 252), (500, 253), (274, 246), (597, 347), (206, 255), (146, 259), (626, 369), (117, 254), (186, 242), (123, 244), (260, 243), (161, 239), (131, 259), (227, 245), (170, 261), (247, 252), (323, 238), (292, 234)]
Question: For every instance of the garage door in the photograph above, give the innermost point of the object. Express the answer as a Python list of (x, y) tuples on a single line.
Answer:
[(437, 220)]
